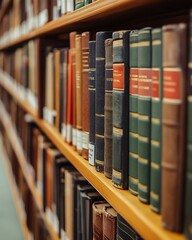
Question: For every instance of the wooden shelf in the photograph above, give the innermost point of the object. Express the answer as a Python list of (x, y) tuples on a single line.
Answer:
[(23, 164), (139, 215), (4, 8), (85, 17)]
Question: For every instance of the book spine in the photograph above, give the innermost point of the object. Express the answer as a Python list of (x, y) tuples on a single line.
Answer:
[(85, 97), (156, 117), (100, 99), (92, 48), (144, 113), (188, 195), (133, 114), (120, 148), (79, 4), (108, 107), (174, 125), (57, 86)]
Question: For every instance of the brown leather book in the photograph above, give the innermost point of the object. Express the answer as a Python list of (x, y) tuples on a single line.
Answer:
[(78, 43), (36, 133), (174, 124), (109, 223), (73, 53), (85, 97), (98, 210)]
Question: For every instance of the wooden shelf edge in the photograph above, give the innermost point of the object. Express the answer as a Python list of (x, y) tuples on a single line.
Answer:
[(139, 215), (84, 15), (4, 8), (22, 161)]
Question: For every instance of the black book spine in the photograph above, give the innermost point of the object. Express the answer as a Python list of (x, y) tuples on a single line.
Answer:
[(100, 99)]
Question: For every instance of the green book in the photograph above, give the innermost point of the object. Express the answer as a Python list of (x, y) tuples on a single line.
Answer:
[(188, 197), (156, 120), (133, 113), (144, 113)]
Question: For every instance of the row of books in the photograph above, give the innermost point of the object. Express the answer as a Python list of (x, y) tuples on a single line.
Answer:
[(72, 206), (24, 16), (120, 99)]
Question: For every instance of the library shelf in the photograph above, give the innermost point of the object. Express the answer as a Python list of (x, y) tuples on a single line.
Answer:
[(86, 17), (15, 143), (139, 215)]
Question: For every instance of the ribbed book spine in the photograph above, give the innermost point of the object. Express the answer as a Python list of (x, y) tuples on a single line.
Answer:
[(133, 113), (188, 196), (85, 94), (100, 99), (144, 113), (92, 50), (108, 107), (156, 117), (120, 149), (174, 125)]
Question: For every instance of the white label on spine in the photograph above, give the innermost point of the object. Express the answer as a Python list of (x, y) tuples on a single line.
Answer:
[(63, 235), (91, 154), (85, 140), (74, 137), (43, 17), (69, 133), (45, 113), (79, 140), (63, 130)]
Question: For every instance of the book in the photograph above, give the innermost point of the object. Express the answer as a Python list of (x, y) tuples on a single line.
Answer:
[(188, 189), (144, 113), (108, 129), (120, 148), (98, 210), (100, 99), (156, 117), (92, 49), (133, 113), (109, 223), (174, 124), (85, 93)]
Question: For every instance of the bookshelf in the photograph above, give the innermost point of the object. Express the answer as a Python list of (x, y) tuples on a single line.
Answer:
[(139, 215)]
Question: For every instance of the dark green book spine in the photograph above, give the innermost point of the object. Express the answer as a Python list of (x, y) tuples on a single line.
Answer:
[(188, 197), (120, 147), (79, 4), (144, 113), (100, 99), (156, 120), (133, 113)]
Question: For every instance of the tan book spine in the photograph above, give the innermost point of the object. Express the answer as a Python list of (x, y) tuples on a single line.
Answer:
[(85, 94), (57, 87), (78, 43), (174, 124)]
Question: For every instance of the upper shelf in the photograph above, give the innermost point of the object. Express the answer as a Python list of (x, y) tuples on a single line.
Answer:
[(139, 215), (97, 14)]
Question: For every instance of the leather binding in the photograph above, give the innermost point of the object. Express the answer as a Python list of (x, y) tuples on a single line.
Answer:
[(36, 133), (78, 46), (108, 107), (69, 107), (133, 113), (81, 188), (156, 118), (92, 102), (85, 93), (174, 125), (98, 209), (188, 195), (125, 231), (144, 113), (57, 86), (73, 53), (100, 99), (120, 109), (86, 201), (109, 223)]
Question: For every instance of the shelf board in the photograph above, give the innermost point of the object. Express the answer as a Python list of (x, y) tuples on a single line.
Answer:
[(83, 18), (23, 164), (139, 215), (4, 8)]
